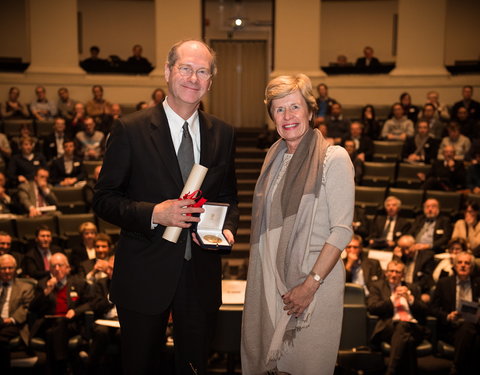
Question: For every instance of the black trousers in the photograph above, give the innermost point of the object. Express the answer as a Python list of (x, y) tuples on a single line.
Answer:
[(464, 340), (6, 333), (143, 336)]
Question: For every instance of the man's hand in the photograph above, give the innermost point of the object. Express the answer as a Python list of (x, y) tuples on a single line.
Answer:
[(454, 315), (70, 314), (100, 265), (7, 321), (351, 259), (34, 212), (173, 213), (50, 286)]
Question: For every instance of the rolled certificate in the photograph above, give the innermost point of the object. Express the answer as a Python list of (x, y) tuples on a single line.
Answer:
[(194, 182)]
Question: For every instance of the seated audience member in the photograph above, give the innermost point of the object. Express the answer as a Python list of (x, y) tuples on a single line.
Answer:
[(371, 126), (6, 248), (446, 174), (90, 141), (86, 250), (469, 127), (98, 108), (15, 297), (78, 119), (35, 195), (94, 63), (137, 63), (103, 336), (36, 263), (342, 60), (324, 102), (402, 317), (445, 267), (356, 160), (472, 106), (338, 127), (42, 109), (368, 60), (399, 127), (89, 188), (421, 148), (5, 151), (94, 269), (473, 173), (468, 228), (65, 105), (419, 264), (387, 229), (431, 230), (6, 204), (358, 267), (409, 109), (12, 108), (53, 143), (60, 303), (436, 127), (25, 131), (360, 222), (458, 141), (158, 96), (363, 143), (141, 105), (68, 169), (22, 166), (441, 110), (322, 127), (446, 306)]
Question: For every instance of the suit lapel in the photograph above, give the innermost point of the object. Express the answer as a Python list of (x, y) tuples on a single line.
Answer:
[(206, 140)]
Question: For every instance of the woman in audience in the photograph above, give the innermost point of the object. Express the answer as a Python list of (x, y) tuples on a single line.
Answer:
[(409, 109), (399, 127), (86, 250), (445, 267), (371, 127), (25, 132), (158, 95), (468, 228), (12, 108)]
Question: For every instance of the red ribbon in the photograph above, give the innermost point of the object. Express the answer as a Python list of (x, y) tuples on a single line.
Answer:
[(196, 196)]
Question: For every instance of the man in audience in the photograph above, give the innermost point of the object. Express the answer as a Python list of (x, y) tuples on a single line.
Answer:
[(363, 143), (158, 96), (446, 174), (22, 166), (436, 127), (12, 108), (6, 204), (399, 127), (356, 161), (15, 297), (41, 108), (94, 269), (68, 169), (6, 248), (453, 326), (36, 263), (360, 223), (90, 140), (368, 60), (387, 229), (79, 116), (402, 317), (441, 110), (422, 147), (137, 63), (94, 63), (472, 106), (65, 105), (324, 102), (99, 108), (469, 126), (53, 143), (60, 303), (458, 141), (446, 266), (35, 195), (431, 230), (338, 127), (359, 268)]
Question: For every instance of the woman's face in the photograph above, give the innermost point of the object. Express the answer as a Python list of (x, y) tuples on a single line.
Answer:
[(406, 100), (291, 117)]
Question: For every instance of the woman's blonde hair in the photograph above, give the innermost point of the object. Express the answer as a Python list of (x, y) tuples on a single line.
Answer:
[(282, 86)]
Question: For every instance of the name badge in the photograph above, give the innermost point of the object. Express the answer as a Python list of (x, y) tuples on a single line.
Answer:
[(76, 164), (36, 162), (439, 231)]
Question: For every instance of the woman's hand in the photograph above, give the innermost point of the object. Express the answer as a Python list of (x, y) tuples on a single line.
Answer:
[(299, 298)]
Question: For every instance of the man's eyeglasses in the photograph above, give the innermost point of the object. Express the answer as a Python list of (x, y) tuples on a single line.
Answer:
[(202, 74)]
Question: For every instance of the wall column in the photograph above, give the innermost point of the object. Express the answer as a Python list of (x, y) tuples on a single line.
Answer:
[(53, 37), (170, 27), (421, 38), (297, 38)]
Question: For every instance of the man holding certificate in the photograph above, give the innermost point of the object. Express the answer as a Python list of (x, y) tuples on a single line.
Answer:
[(148, 160)]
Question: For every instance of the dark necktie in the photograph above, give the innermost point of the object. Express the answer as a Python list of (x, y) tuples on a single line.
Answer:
[(386, 230), (186, 161), (3, 296)]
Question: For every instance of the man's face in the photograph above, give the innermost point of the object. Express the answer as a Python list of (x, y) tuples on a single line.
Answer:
[(41, 177), (69, 148), (44, 239), (101, 249), (63, 94), (398, 111), (422, 128), (5, 244), (428, 112), (184, 90), (322, 91), (116, 110), (97, 93), (336, 110), (59, 125), (40, 92), (13, 95), (356, 130), (392, 207), (89, 125), (453, 134), (368, 52), (59, 266), (395, 273), (80, 108), (354, 247), (432, 97), (7, 269), (431, 208), (463, 265), (137, 51), (405, 244), (467, 93), (350, 147), (88, 235), (448, 153), (462, 114), (26, 147)]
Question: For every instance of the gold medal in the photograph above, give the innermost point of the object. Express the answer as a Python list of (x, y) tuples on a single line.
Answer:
[(212, 239)]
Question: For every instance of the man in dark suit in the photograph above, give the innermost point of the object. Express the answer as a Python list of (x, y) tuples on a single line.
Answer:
[(15, 296), (368, 61), (422, 147), (148, 159), (359, 268), (59, 304), (402, 317), (387, 229), (363, 143), (53, 143), (431, 230), (68, 169), (446, 307), (447, 174), (36, 263)]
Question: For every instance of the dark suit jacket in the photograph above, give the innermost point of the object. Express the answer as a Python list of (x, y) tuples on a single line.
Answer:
[(402, 226), (372, 271), (50, 145), (100, 303), (379, 303), (430, 148), (442, 231), (58, 173), (33, 263), (423, 270), (140, 169), (362, 62), (20, 298), (441, 177)]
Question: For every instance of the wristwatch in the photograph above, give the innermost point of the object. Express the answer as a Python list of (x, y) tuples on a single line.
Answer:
[(316, 277)]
